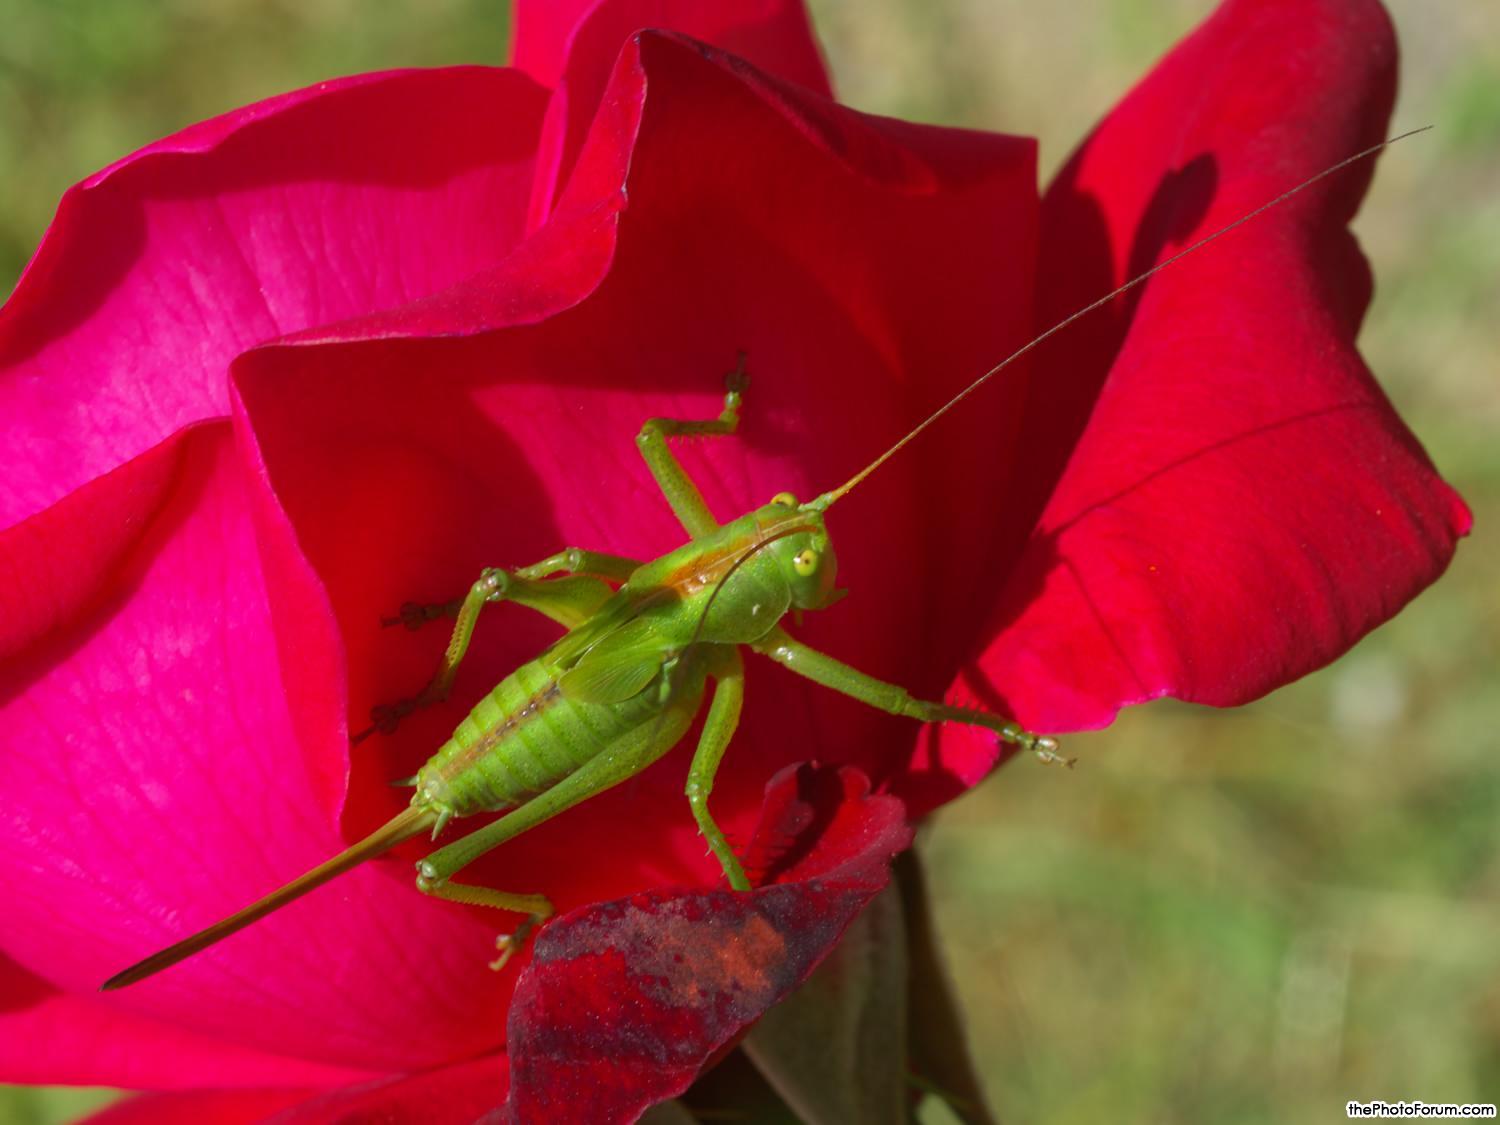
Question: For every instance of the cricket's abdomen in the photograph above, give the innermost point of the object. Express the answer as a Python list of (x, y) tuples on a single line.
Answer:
[(521, 739)]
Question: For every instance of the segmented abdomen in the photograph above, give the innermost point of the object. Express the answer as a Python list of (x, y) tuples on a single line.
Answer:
[(523, 738)]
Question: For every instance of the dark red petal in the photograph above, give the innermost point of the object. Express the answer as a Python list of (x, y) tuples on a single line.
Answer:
[(1230, 500), (626, 1001), (772, 34), (327, 203), (867, 267), (836, 1048)]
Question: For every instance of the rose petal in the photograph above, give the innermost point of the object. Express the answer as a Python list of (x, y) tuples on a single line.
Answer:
[(626, 1001), (193, 1107), (60, 561), (1239, 503), (314, 206), (216, 737), (459, 1093), (573, 48), (151, 784), (407, 464), (53, 1038), (549, 36)]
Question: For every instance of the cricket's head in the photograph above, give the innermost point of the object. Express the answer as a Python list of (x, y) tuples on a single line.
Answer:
[(805, 556)]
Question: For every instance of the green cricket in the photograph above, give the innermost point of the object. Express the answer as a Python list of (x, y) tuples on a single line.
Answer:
[(622, 686)]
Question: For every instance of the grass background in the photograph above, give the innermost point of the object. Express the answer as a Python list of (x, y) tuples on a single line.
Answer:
[(1222, 916)]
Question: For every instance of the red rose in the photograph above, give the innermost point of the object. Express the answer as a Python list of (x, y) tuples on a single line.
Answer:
[(268, 379)]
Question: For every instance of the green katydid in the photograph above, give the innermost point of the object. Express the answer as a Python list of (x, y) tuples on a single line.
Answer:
[(622, 686)]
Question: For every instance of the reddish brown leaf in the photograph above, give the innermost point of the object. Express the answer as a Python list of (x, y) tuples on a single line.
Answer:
[(626, 1001)]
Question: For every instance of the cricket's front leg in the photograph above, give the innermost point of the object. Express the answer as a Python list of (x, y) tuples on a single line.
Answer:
[(569, 600), (893, 698), (687, 502), (595, 564)]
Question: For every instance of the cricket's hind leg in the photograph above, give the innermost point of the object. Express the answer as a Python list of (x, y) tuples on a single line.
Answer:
[(536, 908), (681, 493), (623, 759), (568, 600)]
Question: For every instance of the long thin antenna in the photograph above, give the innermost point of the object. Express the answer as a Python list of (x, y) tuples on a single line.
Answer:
[(823, 502)]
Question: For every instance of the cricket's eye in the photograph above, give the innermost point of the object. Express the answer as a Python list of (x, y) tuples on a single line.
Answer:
[(805, 562), (785, 499)]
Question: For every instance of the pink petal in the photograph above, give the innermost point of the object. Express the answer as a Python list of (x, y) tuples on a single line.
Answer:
[(66, 558), (459, 1093), (151, 784), (53, 1038), (318, 205), (194, 1107), (573, 47), (407, 462), (625, 1002), (1239, 502)]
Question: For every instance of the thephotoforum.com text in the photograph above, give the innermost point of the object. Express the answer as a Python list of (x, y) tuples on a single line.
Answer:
[(1403, 1109)]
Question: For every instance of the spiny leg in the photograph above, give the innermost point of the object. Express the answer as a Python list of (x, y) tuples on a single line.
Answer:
[(687, 502), (416, 614), (632, 753), (893, 698), (569, 601), (718, 728), (615, 568), (536, 908)]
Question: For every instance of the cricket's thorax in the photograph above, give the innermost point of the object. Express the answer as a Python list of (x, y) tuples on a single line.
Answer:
[(733, 586)]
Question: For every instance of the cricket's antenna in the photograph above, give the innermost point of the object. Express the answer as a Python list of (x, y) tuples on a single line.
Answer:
[(825, 501)]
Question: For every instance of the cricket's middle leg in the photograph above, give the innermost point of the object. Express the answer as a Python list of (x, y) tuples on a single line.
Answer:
[(718, 728), (569, 600)]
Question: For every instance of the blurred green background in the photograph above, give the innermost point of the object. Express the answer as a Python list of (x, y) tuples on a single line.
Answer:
[(1236, 916)]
